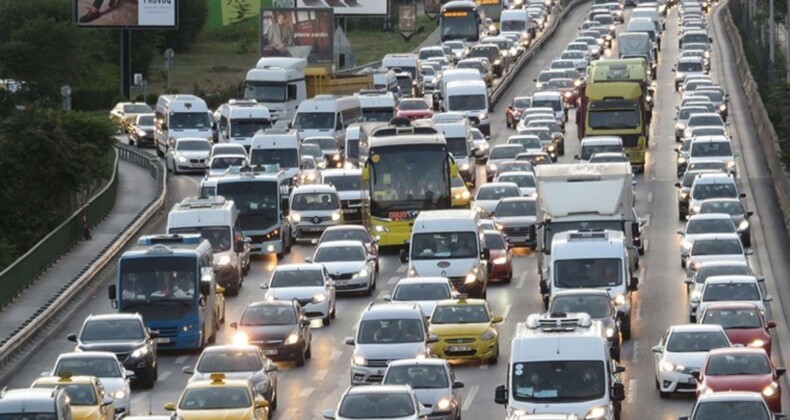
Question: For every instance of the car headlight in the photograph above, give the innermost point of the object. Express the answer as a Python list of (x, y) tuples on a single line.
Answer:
[(500, 260), (470, 278), (567, 94), (336, 157), (609, 37), (498, 61), (730, 164), (492, 28), (695, 209), (296, 217), (321, 165), (488, 335), (319, 298), (484, 146), (599, 41), (551, 148), (669, 367), (359, 360), (707, 54), (482, 116), (612, 27), (336, 216), (685, 246), (771, 390), (757, 343), (442, 404), (600, 412), (681, 159), (412, 272), (696, 295), (609, 332), (680, 127), (619, 300), (182, 159), (141, 133), (120, 394), (363, 272), (142, 351), (292, 339), (224, 260), (466, 195), (722, 107), (538, 85), (577, 82), (241, 339), (380, 229), (743, 225), (684, 195), (465, 167), (492, 167)]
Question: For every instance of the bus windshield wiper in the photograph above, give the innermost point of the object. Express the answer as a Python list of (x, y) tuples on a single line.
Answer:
[(171, 300)]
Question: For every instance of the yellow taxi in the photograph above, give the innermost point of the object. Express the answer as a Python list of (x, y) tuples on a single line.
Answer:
[(220, 398), (460, 193), (87, 398), (466, 330)]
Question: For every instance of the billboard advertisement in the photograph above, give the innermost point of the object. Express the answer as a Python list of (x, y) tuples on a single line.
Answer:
[(349, 7), (135, 14), (302, 33), (407, 18)]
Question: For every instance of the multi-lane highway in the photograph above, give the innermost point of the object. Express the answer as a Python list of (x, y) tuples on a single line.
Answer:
[(304, 392)]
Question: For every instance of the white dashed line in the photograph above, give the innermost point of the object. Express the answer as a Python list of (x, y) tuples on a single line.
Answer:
[(470, 397), (164, 375), (647, 220), (647, 242), (401, 269), (505, 314), (484, 365), (306, 392), (321, 374), (631, 390), (635, 356), (521, 280), (650, 197), (335, 355), (393, 279), (181, 359)]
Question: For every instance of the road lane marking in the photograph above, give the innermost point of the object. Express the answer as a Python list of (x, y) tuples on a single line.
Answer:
[(505, 314), (521, 280), (321, 374), (647, 242), (306, 392), (470, 397), (650, 197), (401, 269), (635, 356), (164, 375), (647, 220), (631, 390), (181, 359), (290, 414), (393, 279), (381, 294), (484, 365), (335, 355)]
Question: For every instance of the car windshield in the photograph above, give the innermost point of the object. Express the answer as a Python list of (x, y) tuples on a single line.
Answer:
[(733, 208), (311, 150), (700, 120), (696, 341), (738, 364), (328, 144), (230, 361), (516, 208), (597, 306), (248, 127), (707, 131), (79, 394), (457, 146), (226, 162), (391, 331), (717, 247), (515, 166), (345, 182), (422, 291), (611, 119), (472, 102), (376, 405), (297, 278), (686, 113), (706, 149), (589, 150), (314, 121), (112, 329), (215, 398), (523, 181), (522, 103), (145, 120), (413, 105), (591, 272), (495, 242), (722, 270), (218, 236), (507, 152), (558, 381), (601, 158), (428, 246), (189, 120), (690, 67), (733, 318), (345, 235), (707, 191), (193, 146), (717, 292), (100, 367), (496, 192), (268, 315), (328, 254), (460, 314), (723, 225), (315, 201), (136, 109), (560, 83), (556, 105), (457, 182), (286, 158), (417, 376), (731, 410)]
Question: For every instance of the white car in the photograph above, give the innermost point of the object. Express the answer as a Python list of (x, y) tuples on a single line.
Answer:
[(710, 186), (227, 149), (188, 155), (700, 224), (309, 284), (426, 291), (488, 196), (530, 142), (396, 402), (104, 366), (525, 181), (499, 154), (218, 165), (682, 351), (745, 289), (715, 247), (348, 264), (718, 148)]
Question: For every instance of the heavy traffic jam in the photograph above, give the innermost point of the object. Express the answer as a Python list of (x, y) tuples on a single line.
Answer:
[(347, 243)]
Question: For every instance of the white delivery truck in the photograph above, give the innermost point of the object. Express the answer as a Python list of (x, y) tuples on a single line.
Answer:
[(448, 243), (327, 115), (278, 83), (277, 147), (471, 98), (180, 116), (216, 220), (593, 259), (376, 105), (240, 120), (560, 363), (584, 196)]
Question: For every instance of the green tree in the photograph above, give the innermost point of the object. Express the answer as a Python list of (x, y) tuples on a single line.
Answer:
[(192, 15)]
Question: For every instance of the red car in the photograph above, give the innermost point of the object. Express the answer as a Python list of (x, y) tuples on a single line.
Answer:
[(743, 323), (567, 88), (501, 261), (514, 110), (414, 109), (741, 369)]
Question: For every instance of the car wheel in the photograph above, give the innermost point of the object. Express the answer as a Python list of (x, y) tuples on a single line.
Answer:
[(309, 353), (327, 320), (301, 358), (334, 311), (625, 327), (494, 360)]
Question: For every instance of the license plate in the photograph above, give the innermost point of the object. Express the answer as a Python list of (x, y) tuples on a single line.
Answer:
[(313, 229), (270, 352), (349, 211), (163, 340), (460, 348), (341, 282)]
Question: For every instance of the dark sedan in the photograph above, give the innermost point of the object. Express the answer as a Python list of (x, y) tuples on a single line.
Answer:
[(279, 327)]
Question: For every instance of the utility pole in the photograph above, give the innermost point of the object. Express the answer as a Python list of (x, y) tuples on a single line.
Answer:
[(771, 32), (787, 43)]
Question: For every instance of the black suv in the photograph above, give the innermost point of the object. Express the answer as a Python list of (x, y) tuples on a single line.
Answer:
[(279, 327), (127, 337), (494, 56)]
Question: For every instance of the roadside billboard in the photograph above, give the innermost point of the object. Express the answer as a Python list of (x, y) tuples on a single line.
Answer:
[(140, 14), (303, 33), (349, 7)]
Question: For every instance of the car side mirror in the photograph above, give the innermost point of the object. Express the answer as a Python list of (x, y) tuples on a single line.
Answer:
[(329, 414), (770, 325), (271, 368), (387, 298), (749, 252), (680, 232), (683, 418), (619, 369), (696, 374), (618, 392), (349, 341), (780, 371), (189, 370), (497, 319), (657, 349), (500, 395), (677, 185), (264, 285), (768, 298), (459, 385), (112, 292), (780, 416), (749, 214), (128, 374), (687, 280), (170, 407), (433, 339), (306, 322), (577, 157), (308, 259), (261, 403), (742, 195), (107, 400), (404, 256), (72, 337), (425, 411), (234, 325)]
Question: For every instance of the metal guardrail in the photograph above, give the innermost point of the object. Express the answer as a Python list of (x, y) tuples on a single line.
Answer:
[(32, 332), (18, 276)]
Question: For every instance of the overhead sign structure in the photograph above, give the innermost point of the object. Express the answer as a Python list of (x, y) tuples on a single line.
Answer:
[(140, 14), (303, 33), (349, 7), (432, 8), (407, 20)]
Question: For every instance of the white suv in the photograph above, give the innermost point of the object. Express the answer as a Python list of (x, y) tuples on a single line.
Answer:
[(313, 209)]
